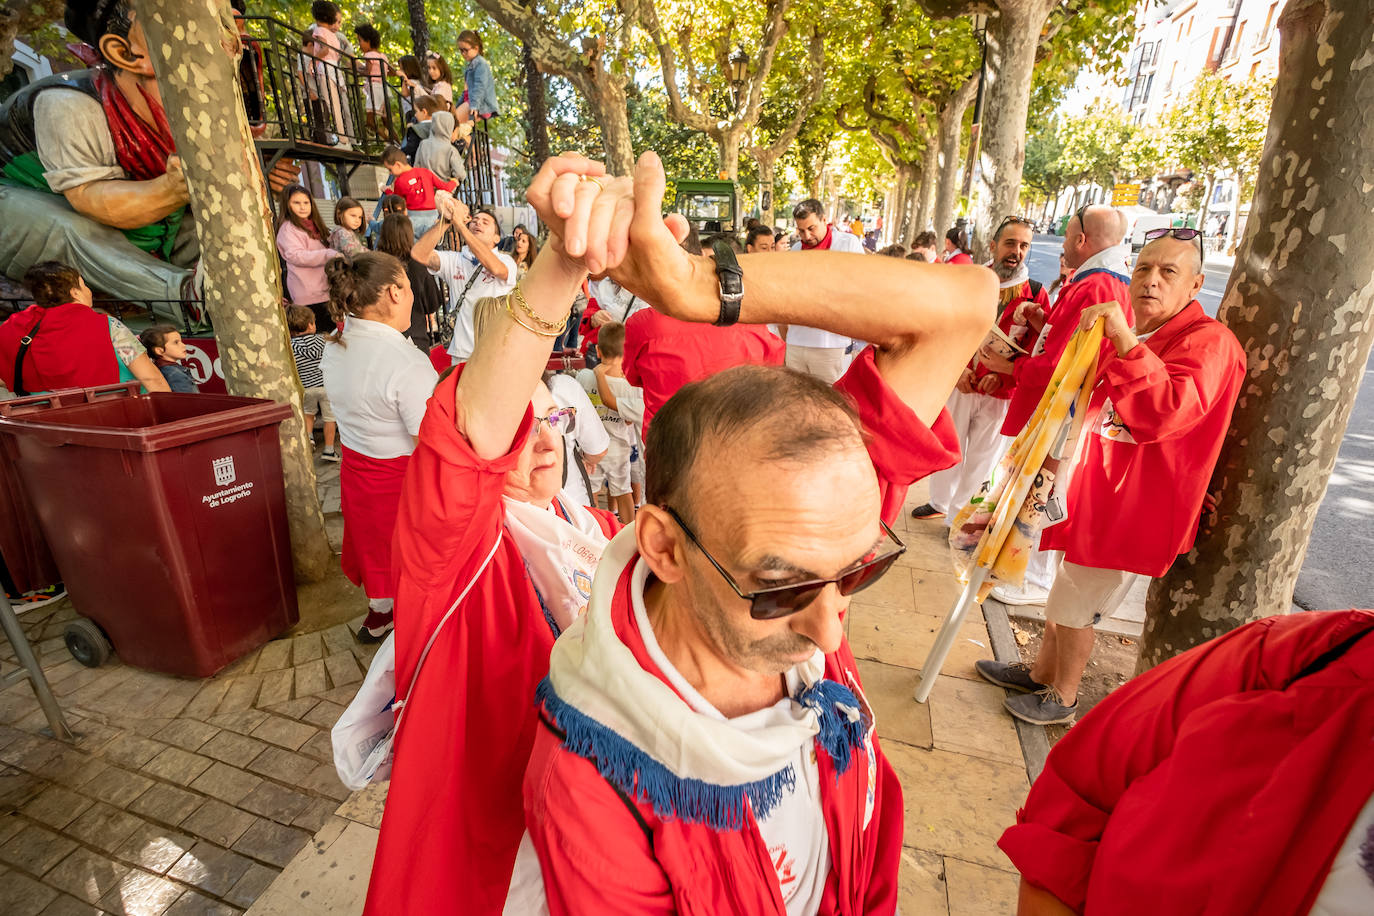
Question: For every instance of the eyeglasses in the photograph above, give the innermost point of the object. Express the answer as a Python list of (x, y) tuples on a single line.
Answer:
[(1183, 234), (1009, 221), (562, 421), (772, 603)]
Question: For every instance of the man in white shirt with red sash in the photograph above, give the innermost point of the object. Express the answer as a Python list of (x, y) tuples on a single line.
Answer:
[(817, 351)]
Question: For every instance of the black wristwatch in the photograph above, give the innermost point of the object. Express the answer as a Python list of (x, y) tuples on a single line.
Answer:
[(731, 283)]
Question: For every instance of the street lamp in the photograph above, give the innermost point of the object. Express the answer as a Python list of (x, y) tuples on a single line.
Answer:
[(980, 32), (739, 68)]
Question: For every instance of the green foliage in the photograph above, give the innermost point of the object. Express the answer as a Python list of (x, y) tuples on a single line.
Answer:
[(1099, 145), (1043, 171), (1219, 127)]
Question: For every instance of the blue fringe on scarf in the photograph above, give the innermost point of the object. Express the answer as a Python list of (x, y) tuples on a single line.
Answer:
[(640, 776), (548, 615)]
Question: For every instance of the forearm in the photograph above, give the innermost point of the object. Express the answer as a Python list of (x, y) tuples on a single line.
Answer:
[(423, 249), (1034, 901), (509, 359), (128, 204), (148, 374)]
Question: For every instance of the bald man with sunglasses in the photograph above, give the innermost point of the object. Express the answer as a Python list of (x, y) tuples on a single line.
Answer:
[(1166, 386), (704, 742)]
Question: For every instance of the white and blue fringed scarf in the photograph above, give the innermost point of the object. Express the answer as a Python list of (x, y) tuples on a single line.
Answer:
[(645, 740)]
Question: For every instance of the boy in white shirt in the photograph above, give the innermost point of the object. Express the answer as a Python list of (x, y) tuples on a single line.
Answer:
[(610, 381)]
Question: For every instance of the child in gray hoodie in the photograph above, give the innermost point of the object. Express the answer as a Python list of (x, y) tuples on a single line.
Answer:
[(437, 152)]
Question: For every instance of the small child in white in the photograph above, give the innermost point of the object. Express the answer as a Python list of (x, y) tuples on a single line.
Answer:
[(617, 395)]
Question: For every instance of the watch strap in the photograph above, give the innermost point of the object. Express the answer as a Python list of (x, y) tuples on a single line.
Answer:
[(731, 278)]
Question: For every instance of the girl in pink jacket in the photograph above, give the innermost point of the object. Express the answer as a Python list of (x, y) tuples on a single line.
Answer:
[(301, 243)]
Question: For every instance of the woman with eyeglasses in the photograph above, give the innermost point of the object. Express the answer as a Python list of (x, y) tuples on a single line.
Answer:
[(377, 382), (492, 564)]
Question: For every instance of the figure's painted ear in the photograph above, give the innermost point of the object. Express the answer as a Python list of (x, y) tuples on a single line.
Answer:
[(129, 53)]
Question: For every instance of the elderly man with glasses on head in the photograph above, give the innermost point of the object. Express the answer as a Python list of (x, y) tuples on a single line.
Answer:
[(1163, 400), (704, 743), (978, 404)]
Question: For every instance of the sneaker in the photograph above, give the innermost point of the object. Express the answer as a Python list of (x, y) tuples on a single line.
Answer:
[(926, 511), (375, 627), (1026, 594), (329, 455), (38, 598), (1013, 676), (1043, 708)]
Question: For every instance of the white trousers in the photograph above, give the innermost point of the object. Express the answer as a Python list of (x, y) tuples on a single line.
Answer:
[(978, 422), (825, 363)]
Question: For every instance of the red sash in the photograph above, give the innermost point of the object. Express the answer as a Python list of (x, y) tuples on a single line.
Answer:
[(370, 495)]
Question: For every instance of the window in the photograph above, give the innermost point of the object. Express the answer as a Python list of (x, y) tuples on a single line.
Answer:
[(1234, 51), (1155, 59), (1270, 21), (1173, 71), (1190, 25)]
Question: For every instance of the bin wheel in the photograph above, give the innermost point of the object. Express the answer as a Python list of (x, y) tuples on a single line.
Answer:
[(86, 642)]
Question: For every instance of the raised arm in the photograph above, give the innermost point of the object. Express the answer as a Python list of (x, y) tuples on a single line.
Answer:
[(509, 359), (484, 253), (925, 320), (423, 249)]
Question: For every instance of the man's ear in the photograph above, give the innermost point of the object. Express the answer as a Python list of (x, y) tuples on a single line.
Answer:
[(661, 543), (129, 53)]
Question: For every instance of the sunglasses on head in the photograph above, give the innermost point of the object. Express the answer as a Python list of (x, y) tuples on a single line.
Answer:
[(1011, 221), (785, 600), (1183, 234)]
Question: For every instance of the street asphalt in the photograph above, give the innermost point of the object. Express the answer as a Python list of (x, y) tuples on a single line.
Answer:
[(1334, 574)]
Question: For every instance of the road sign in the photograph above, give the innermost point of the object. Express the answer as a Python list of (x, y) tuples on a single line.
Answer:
[(1125, 195)]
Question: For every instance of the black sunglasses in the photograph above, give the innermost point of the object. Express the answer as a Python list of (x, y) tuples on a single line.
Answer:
[(1183, 234), (772, 603), (1011, 220)]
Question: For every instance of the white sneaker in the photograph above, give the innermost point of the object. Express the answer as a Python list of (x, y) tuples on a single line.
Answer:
[(1026, 594)]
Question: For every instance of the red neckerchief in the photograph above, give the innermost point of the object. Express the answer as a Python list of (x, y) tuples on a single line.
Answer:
[(823, 244), (141, 149)]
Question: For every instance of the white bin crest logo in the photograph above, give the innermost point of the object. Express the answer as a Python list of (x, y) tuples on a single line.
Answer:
[(224, 470)]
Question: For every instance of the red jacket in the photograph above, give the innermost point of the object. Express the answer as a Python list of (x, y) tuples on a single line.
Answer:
[(662, 354), (1004, 323), (599, 858), (453, 816), (1149, 457), (1222, 782), (1033, 372), (72, 348), (418, 186), (691, 869)]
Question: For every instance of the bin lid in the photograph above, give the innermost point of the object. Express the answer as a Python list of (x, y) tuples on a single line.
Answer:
[(146, 423)]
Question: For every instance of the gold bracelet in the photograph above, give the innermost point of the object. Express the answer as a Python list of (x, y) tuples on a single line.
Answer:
[(516, 318), (519, 296)]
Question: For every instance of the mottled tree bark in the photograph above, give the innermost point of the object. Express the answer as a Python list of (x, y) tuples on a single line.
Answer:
[(1301, 302), (419, 27), (951, 133), (191, 43), (1013, 36), (925, 194)]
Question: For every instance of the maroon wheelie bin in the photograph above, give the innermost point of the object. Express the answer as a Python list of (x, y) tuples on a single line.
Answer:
[(29, 563), (166, 514)]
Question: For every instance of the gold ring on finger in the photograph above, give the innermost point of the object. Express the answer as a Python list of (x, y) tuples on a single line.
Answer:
[(595, 181)]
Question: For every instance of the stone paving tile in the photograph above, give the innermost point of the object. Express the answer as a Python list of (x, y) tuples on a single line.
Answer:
[(35, 850), (311, 679), (321, 747), (166, 804), (889, 690), (233, 749), (241, 693), (241, 721), (271, 842), (338, 639), (10, 824), (193, 904), (56, 807), (217, 822), (187, 734), (104, 827), (140, 893), (956, 804), (341, 695), (366, 805), (284, 732), (154, 848), (251, 885), (343, 670), (899, 637), (970, 719), (976, 890), (132, 751), (208, 699), (65, 905), (228, 784), (324, 714), (21, 895), (325, 780), (210, 868), (87, 875), (71, 767), (294, 709), (306, 648), (31, 752), (316, 814), (276, 802), (283, 766), (18, 788), (117, 786), (176, 765), (276, 654), (921, 887), (92, 736), (276, 687)]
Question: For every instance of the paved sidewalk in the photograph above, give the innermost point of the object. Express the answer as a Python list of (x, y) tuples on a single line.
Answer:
[(183, 796)]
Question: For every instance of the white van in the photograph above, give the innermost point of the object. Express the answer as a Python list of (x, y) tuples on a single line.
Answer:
[(1147, 221)]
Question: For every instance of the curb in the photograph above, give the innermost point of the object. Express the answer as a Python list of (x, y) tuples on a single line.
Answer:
[(1035, 747)]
